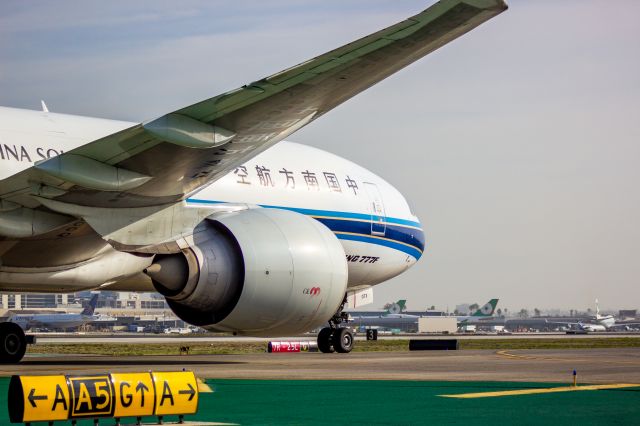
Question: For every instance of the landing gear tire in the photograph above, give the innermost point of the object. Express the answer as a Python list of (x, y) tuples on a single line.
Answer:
[(325, 340), (13, 343), (342, 340)]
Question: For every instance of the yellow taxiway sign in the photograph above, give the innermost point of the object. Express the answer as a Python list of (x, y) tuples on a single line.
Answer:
[(51, 398)]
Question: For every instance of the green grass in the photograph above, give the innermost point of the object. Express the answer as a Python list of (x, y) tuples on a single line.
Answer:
[(133, 349), (362, 402), (236, 348)]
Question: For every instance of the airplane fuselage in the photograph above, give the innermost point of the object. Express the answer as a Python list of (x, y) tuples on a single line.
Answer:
[(380, 235), (52, 321), (593, 327)]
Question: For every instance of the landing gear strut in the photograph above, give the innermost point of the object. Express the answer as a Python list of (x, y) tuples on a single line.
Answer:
[(13, 343), (335, 338)]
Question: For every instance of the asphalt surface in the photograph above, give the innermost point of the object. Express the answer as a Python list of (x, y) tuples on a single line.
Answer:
[(204, 338), (593, 365)]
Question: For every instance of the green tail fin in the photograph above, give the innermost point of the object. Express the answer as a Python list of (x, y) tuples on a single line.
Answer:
[(396, 308), (487, 309)]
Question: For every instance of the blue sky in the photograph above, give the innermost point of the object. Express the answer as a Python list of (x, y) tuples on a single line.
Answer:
[(517, 145)]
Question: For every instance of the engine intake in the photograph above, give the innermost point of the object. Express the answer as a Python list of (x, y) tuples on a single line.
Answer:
[(256, 272)]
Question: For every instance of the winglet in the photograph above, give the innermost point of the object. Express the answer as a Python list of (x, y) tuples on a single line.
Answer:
[(44, 106)]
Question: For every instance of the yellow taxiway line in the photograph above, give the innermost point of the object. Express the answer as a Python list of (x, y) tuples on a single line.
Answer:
[(543, 390)]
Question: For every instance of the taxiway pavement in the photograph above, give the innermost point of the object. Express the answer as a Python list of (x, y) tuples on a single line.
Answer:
[(593, 365), (204, 338)]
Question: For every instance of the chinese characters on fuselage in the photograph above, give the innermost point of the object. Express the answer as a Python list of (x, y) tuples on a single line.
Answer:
[(312, 181)]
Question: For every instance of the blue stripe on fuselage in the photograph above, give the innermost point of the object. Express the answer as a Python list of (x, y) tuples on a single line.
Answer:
[(345, 215), (401, 234), (382, 242), (409, 236)]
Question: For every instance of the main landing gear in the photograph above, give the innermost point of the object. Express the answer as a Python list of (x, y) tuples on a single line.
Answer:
[(334, 338), (13, 343)]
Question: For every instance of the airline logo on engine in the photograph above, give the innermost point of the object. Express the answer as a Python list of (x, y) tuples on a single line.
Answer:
[(313, 291)]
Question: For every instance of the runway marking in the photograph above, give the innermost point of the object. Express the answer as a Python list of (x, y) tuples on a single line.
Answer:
[(506, 354), (203, 387), (544, 390)]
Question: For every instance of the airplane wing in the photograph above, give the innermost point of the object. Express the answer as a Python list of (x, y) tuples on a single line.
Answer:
[(570, 324), (621, 324), (164, 160)]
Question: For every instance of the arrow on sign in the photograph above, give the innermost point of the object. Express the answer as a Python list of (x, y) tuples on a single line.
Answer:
[(191, 392), (141, 388), (33, 397)]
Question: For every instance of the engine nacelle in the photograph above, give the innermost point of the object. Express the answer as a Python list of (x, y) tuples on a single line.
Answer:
[(261, 272)]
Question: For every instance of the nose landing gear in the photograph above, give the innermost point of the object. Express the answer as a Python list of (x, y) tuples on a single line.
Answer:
[(335, 338)]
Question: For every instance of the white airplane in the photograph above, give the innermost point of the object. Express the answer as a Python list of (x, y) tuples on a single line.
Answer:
[(392, 316), (57, 321), (485, 313), (395, 316), (239, 230), (597, 322), (606, 321)]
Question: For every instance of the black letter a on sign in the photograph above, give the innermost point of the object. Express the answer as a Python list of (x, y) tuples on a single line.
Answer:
[(166, 393), (59, 399)]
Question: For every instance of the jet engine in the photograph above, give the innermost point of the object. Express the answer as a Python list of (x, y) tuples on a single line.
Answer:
[(261, 272)]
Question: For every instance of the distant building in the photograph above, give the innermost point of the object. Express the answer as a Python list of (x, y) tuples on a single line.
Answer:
[(127, 300), (463, 309), (108, 301), (36, 301), (628, 313)]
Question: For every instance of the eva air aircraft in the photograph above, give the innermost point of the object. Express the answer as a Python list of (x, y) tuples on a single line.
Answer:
[(208, 205), (485, 312)]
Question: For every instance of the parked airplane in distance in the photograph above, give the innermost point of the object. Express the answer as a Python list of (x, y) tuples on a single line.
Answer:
[(596, 322), (396, 308), (239, 230), (395, 316), (390, 310), (486, 312), (57, 321)]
